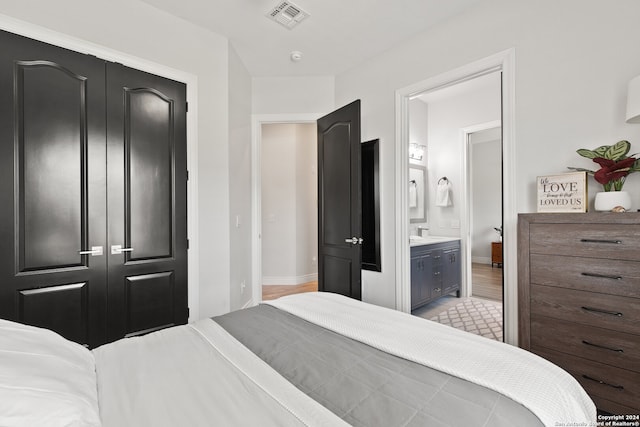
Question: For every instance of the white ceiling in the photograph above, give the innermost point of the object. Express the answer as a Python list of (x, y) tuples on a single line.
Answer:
[(338, 35)]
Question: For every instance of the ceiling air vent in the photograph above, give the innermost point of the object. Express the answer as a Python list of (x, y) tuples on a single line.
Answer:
[(287, 14)]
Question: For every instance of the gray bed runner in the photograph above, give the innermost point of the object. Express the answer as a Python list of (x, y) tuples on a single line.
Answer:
[(364, 386)]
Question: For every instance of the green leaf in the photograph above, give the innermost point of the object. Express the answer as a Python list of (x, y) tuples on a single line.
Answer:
[(618, 150), (601, 151), (589, 154)]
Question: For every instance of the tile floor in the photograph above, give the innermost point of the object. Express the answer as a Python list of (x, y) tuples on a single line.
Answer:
[(478, 316)]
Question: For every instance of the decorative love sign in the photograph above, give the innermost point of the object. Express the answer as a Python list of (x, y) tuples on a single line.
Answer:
[(566, 192)]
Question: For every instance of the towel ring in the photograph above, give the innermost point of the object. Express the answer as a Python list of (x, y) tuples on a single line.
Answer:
[(444, 178)]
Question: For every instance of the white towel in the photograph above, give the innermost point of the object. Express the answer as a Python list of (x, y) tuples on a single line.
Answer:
[(443, 193), (413, 195)]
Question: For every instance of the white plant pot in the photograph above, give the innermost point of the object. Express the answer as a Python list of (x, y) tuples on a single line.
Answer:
[(607, 200)]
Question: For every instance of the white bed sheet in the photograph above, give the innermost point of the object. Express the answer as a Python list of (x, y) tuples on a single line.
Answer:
[(45, 380), (544, 388), (197, 375)]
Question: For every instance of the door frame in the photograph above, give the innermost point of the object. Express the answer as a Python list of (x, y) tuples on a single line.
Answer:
[(466, 208), (37, 32), (505, 62), (257, 120)]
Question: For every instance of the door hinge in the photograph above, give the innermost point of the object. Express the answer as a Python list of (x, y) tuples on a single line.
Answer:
[(187, 175), (186, 107), (187, 243)]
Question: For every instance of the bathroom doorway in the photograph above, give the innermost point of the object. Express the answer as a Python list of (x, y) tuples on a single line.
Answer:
[(460, 127), (484, 198), (453, 220)]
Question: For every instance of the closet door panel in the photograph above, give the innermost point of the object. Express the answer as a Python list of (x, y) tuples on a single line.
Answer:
[(63, 308), (149, 145), (52, 188), (152, 296), (51, 147), (146, 152)]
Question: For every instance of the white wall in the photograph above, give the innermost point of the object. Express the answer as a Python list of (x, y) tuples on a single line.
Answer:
[(486, 192), (278, 202), (285, 95), (289, 203), (573, 60), (450, 113), (139, 30), (307, 202), (240, 229)]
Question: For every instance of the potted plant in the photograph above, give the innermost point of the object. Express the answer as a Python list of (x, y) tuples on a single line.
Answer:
[(615, 165), (499, 231)]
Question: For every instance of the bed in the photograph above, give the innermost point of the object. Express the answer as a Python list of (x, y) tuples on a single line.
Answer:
[(314, 359)]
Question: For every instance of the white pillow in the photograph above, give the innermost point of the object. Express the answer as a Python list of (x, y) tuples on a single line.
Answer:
[(45, 380)]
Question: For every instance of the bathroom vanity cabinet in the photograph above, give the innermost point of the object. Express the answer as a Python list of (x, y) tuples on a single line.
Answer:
[(435, 271)]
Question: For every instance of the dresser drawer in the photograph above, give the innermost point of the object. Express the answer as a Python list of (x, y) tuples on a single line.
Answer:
[(614, 241), (597, 344), (588, 274), (607, 382), (605, 311)]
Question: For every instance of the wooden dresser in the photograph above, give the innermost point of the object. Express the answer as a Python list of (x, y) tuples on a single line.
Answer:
[(579, 300)]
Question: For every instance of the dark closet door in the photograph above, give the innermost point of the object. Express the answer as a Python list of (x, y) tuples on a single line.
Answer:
[(147, 176), (52, 189)]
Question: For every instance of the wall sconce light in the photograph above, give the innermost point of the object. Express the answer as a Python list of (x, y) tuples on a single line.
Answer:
[(633, 101), (416, 151)]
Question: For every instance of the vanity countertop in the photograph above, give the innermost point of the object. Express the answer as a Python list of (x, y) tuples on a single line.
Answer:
[(429, 240)]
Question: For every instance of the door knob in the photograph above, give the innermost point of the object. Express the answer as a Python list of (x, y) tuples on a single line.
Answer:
[(354, 240), (95, 251), (118, 249)]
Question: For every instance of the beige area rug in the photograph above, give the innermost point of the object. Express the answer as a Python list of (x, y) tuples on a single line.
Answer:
[(480, 317)]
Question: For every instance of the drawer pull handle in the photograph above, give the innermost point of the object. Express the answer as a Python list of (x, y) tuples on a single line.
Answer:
[(598, 310), (587, 377), (602, 276), (604, 347), (614, 242)]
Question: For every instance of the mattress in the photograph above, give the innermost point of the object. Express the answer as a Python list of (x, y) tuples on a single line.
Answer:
[(309, 360)]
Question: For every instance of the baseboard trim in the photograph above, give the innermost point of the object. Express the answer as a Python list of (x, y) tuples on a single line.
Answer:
[(289, 280), (481, 260)]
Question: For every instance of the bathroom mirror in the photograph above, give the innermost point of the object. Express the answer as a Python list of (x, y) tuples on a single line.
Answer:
[(417, 194)]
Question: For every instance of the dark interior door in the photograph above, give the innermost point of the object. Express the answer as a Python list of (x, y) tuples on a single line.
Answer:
[(52, 189), (147, 214), (339, 202)]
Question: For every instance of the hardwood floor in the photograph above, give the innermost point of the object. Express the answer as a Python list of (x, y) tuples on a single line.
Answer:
[(487, 281), (277, 291)]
